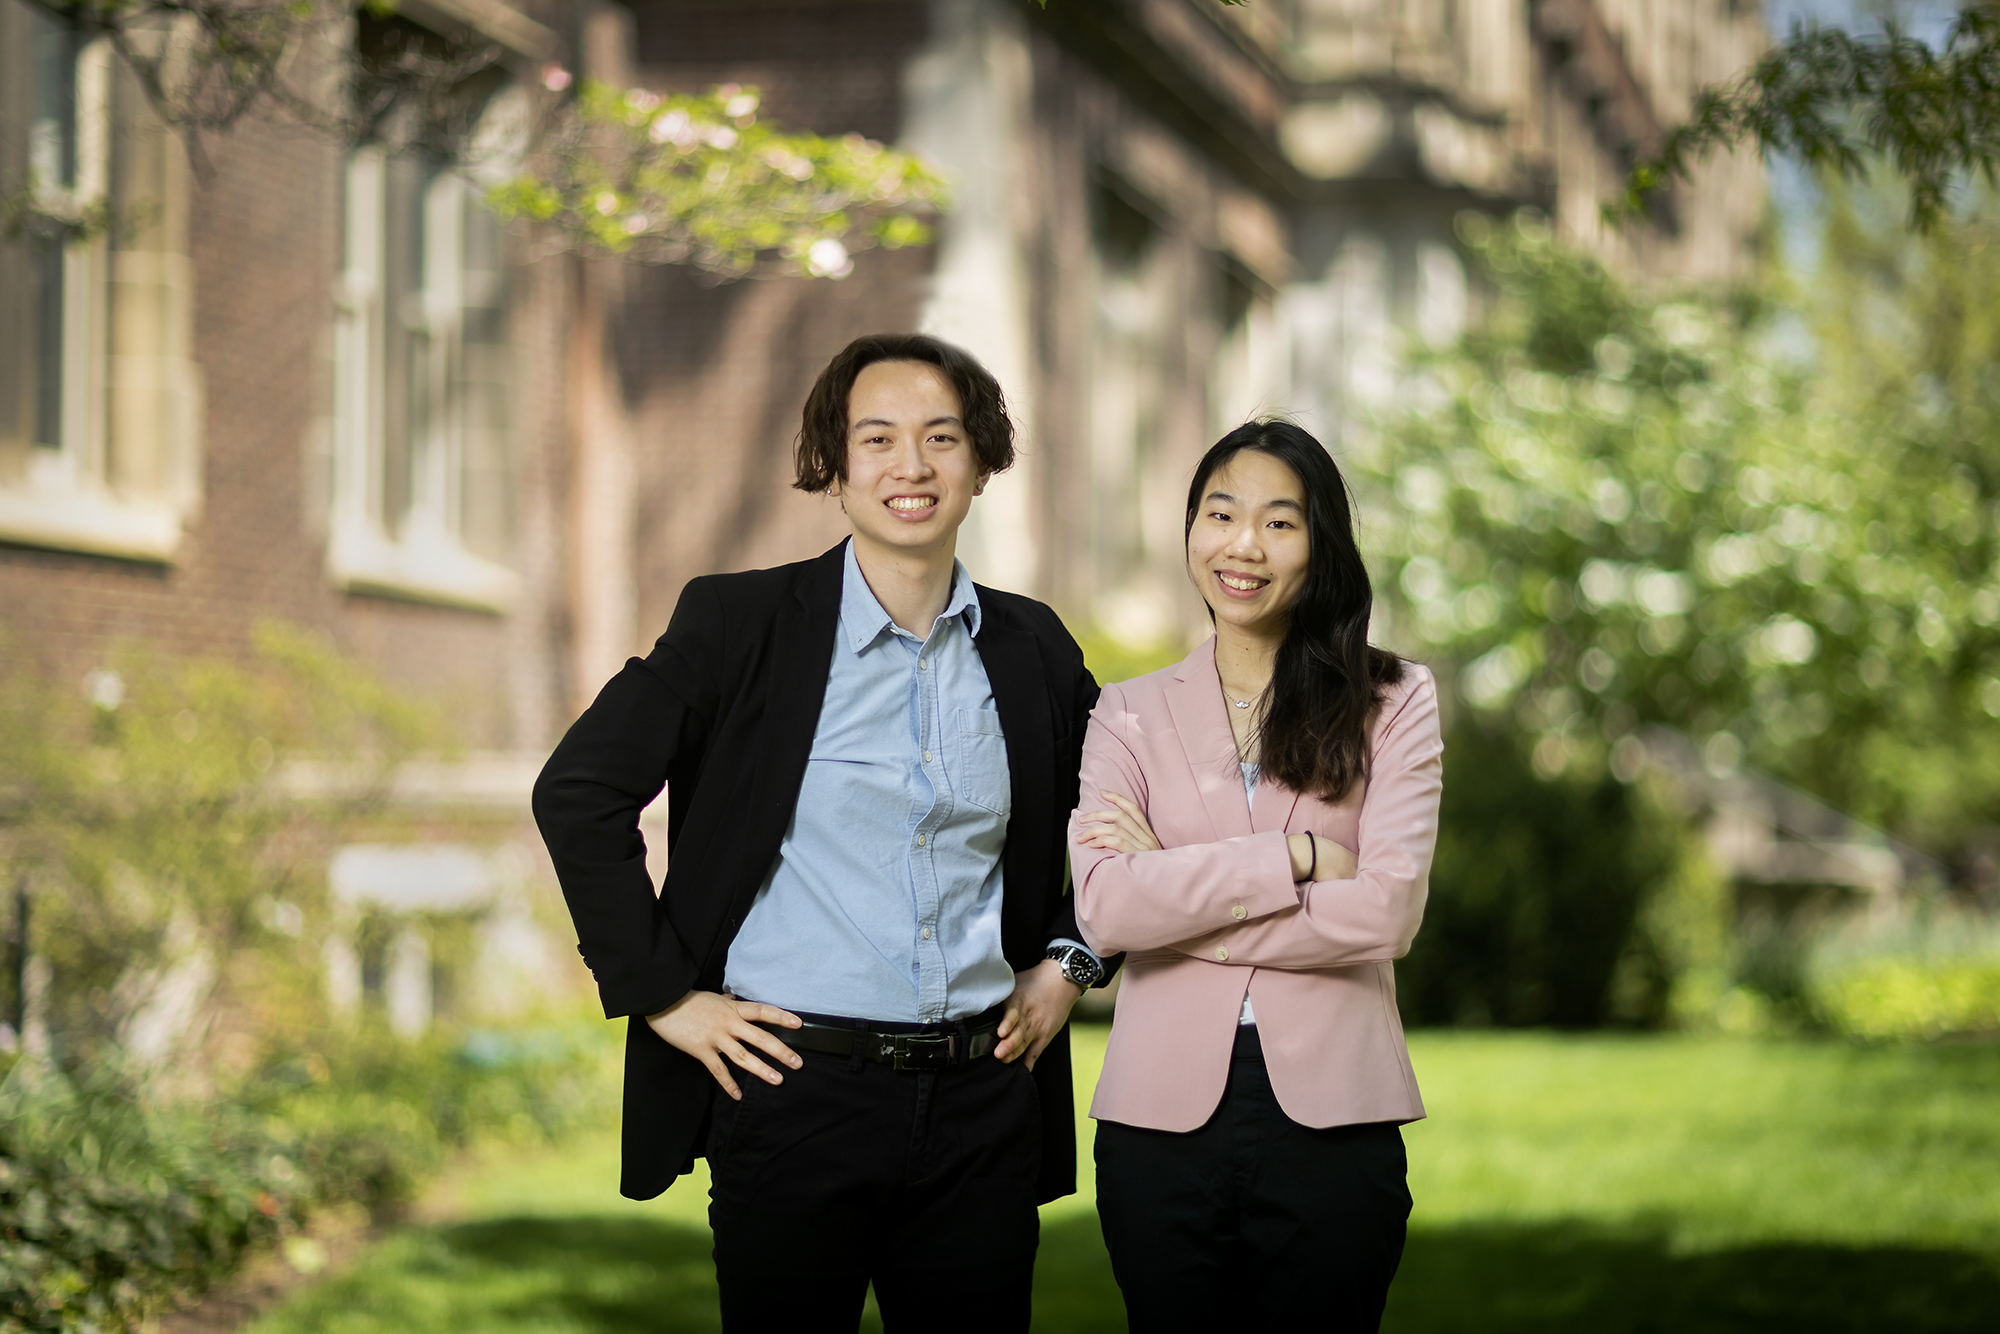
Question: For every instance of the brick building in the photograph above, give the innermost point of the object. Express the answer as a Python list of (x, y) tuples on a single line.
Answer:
[(320, 384), (1170, 215)]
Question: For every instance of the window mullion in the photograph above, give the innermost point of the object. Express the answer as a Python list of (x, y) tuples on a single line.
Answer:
[(84, 305), (444, 300), (358, 464)]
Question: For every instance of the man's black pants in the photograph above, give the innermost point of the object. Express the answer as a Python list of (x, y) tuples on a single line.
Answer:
[(1253, 1220), (850, 1173)]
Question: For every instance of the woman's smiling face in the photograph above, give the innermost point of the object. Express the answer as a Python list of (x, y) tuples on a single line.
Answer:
[(1247, 551)]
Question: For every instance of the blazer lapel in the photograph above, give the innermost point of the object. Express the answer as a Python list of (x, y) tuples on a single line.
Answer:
[(1209, 747), (1014, 671), (801, 656)]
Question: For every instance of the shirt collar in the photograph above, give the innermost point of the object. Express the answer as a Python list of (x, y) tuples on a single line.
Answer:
[(863, 621)]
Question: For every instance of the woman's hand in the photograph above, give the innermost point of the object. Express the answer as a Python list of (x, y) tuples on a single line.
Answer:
[(709, 1026), (1318, 858), (1121, 830)]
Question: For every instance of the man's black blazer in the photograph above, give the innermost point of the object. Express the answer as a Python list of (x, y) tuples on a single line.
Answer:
[(722, 713)]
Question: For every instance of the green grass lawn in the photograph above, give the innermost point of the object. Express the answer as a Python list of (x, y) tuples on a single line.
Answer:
[(1563, 1183)]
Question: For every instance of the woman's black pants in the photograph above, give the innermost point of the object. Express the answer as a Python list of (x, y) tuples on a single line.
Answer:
[(1253, 1217)]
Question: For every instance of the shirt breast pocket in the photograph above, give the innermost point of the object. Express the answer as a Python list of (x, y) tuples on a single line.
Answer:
[(979, 764)]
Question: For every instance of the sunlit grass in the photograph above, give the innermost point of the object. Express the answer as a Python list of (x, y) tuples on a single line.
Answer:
[(1563, 1183), (1722, 1141), (1602, 1183)]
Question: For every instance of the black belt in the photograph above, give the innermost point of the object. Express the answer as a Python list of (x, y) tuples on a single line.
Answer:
[(939, 1049)]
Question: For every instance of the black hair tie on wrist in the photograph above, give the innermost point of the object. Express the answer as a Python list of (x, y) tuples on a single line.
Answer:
[(1312, 841)]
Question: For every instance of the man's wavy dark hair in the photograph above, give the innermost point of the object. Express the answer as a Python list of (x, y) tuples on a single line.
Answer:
[(822, 443), (1328, 679)]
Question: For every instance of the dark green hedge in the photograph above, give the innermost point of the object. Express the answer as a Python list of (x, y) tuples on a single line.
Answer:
[(1536, 912), (107, 1205), (113, 1202)]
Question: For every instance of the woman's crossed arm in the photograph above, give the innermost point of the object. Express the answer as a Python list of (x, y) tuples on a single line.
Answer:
[(1239, 901)]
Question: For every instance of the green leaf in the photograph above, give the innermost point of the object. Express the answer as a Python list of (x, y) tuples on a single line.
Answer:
[(1930, 115), (701, 180)]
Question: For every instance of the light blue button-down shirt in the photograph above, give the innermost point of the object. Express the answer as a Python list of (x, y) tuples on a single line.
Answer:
[(884, 902)]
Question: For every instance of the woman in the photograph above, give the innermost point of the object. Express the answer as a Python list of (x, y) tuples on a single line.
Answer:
[(1269, 807)]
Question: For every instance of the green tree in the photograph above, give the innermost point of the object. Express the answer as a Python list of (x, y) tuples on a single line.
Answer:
[(1608, 511), (701, 180), (1837, 101)]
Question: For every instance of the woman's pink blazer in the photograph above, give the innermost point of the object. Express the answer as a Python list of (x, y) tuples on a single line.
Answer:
[(1215, 913)]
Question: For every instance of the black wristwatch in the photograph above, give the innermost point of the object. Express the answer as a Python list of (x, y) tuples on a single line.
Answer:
[(1078, 965)]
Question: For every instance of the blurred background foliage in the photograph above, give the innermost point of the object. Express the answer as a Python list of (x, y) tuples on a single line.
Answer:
[(702, 179), (1763, 520), (1771, 531), (181, 1091), (173, 876), (120, 1194), (1574, 901)]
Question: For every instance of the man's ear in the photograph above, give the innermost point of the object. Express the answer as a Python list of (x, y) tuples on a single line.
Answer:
[(979, 487)]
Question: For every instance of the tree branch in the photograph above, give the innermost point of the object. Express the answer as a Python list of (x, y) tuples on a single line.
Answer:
[(1837, 101)]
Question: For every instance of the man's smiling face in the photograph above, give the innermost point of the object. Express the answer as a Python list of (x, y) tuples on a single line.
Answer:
[(911, 468)]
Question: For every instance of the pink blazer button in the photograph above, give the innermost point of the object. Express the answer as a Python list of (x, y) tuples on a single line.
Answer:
[(1222, 953)]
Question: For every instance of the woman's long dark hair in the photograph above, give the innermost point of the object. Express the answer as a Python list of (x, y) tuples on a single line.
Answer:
[(1328, 679)]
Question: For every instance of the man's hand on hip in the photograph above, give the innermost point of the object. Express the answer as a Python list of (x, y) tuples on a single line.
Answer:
[(1036, 1011), (709, 1026)]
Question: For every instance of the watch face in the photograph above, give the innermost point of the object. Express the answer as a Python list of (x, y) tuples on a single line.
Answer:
[(1075, 965)]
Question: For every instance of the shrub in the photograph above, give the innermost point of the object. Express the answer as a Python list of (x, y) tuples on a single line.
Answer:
[(1574, 901), (372, 1115), (109, 1205), (1934, 974), (113, 1201), (1910, 998)]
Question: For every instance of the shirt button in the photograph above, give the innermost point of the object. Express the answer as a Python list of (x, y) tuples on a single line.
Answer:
[(1222, 953), (927, 757), (920, 840), (923, 664), (1239, 912), (927, 933)]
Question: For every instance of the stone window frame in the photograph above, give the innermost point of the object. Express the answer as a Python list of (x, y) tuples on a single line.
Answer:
[(122, 475), (401, 474)]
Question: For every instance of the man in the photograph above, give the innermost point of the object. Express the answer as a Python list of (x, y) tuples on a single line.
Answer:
[(863, 940)]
